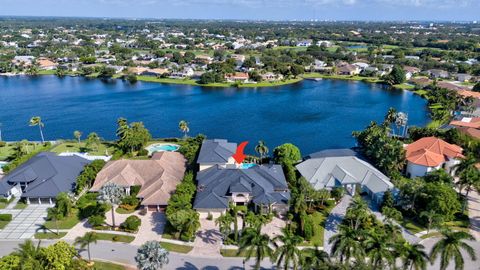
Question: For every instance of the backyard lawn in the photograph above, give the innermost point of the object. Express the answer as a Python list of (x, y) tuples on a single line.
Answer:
[(80, 147), (3, 224), (7, 150)]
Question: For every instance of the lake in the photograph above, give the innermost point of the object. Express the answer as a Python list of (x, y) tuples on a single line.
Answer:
[(314, 115)]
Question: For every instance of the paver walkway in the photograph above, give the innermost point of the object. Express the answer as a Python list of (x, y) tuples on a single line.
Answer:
[(333, 220), (208, 240), (25, 223)]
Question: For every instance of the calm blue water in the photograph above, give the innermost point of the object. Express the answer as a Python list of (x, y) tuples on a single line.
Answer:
[(313, 115)]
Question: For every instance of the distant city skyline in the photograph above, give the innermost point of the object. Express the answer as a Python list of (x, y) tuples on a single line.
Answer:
[(364, 10)]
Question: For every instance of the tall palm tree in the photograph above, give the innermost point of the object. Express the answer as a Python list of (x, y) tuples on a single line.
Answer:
[(78, 135), (288, 253), (111, 194), (85, 241), (378, 249), (346, 244), (262, 149), (224, 222), (55, 213), (37, 121), (151, 256), (254, 243), (413, 256), (29, 254), (450, 246), (357, 211), (314, 258), (390, 117), (183, 126)]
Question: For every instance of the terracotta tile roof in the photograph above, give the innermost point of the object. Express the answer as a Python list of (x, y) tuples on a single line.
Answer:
[(432, 152), (467, 93), (158, 176), (473, 132), (237, 75), (472, 122)]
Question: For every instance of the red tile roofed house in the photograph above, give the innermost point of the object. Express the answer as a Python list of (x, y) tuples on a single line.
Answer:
[(430, 153), (158, 177), (46, 64), (468, 125), (237, 77)]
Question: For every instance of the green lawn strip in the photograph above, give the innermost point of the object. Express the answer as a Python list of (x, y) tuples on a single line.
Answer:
[(342, 77), (20, 205), (99, 265), (412, 226), (435, 124), (231, 253), (80, 147), (115, 237), (403, 86), (122, 211), (421, 92), (319, 218), (46, 72), (3, 224), (66, 223), (49, 235), (176, 247)]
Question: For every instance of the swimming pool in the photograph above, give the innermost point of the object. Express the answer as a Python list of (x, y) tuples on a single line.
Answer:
[(162, 147), (247, 165)]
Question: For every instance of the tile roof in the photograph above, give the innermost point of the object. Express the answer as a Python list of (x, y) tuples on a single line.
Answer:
[(265, 183), (473, 122), (432, 152), (216, 151), (158, 177), (47, 174)]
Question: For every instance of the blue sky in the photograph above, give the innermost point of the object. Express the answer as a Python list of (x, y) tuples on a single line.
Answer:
[(465, 10)]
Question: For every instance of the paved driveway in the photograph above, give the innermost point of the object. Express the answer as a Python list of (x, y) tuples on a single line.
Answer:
[(25, 223), (208, 240)]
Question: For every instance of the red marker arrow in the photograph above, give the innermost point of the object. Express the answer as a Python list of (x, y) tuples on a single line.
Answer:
[(239, 156)]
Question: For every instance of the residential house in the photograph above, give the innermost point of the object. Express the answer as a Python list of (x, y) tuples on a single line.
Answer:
[(344, 168), (41, 178), (412, 57), (239, 59), (23, 60), (237, 77), (270, 76), (462, 77), (324, 43), (137, 70), (347, 69), (468, 125), (410, 71), (184, 73), (46, 64), (304, 43), (431, 153), (154, 72), (264, 186), (438, 74), (203, 59), (157, 177), (216, 152)]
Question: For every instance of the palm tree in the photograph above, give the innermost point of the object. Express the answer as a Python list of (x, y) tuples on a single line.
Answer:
[(357, 211), (262, 149), (432, 217), (346, 244), (390, 117), (151, 256), (413, 255), (288, 253), (29, 254), (450, 246), (37, 121), (85, 241), (183, 126), (112, 194), (254, 243), (378, 249), (314, 258), (224, 222), (55, 213), (77, 134)]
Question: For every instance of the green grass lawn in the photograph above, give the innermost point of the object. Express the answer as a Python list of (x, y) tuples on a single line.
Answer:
[(412, 226), (319, 218), (80, 147), (404, 86), (6, 151), (176, 248), (342, 77), (107, 266), (66, 223), (49, 235), (122, 211), (115, 237), (231, 253), (20, 205), (3, 224)]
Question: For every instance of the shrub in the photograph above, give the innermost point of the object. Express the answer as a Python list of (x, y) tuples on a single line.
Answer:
[(308, 227), (96, 220), (131, 224), (134, 190), (210, 216), (142, 152), (130, 201), (115, 238), (2, 143), (5, 217)]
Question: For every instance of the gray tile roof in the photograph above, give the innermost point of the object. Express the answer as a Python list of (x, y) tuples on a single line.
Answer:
[(216, 151), (331, 168), (266, 183), (47, 174)]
